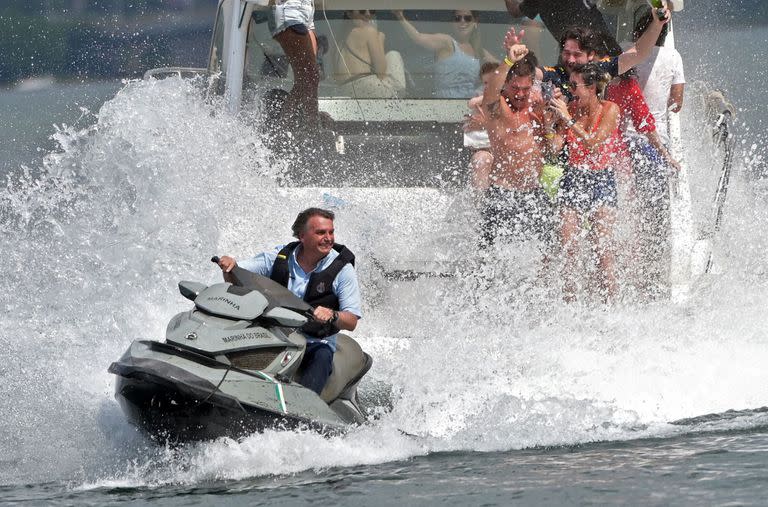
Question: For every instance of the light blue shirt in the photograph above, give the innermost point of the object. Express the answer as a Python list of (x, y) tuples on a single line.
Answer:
[(345, 285)]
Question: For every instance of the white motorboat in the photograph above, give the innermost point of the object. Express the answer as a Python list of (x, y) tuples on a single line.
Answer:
[(376, 147)]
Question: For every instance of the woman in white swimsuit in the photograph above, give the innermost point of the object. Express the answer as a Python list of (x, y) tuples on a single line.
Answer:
[(362, 69)]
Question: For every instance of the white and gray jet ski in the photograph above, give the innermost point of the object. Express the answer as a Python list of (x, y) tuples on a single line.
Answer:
[(230, 366)]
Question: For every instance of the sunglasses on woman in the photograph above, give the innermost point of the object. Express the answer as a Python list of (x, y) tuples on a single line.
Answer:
[(467, 18), (369, 11)]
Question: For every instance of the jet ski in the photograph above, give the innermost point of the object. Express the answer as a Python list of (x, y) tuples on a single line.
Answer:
[(230, 367)]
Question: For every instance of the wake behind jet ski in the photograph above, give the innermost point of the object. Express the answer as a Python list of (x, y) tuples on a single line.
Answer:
[(230, 366)]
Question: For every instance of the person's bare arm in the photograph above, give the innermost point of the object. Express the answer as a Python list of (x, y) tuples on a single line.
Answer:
[(476, 101), (515, 52), (346, 321), (675, 101), (642, 49), (492, 90), (475, 121), (592, 140), (227, 264), (432, 41), (655, 140), (375, 43), (552, 131), (543, 131)]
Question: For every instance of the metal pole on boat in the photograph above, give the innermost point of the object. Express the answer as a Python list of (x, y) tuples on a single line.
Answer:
[(723, 138), (723, 135), (235, 57)]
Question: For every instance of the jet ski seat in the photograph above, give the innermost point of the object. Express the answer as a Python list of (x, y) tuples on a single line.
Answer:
[(350, 363)]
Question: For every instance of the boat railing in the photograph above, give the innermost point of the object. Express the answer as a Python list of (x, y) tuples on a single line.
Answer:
[(723, 114)]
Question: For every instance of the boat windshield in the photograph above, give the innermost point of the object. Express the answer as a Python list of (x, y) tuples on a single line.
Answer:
[(413, 70)]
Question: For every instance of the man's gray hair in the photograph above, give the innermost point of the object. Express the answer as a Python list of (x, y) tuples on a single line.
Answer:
[(300, 225)]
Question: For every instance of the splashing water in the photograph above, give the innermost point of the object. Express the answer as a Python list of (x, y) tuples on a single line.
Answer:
[(97, 238)]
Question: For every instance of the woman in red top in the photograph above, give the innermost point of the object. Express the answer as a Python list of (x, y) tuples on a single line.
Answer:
[(589, 135), (626, 93)]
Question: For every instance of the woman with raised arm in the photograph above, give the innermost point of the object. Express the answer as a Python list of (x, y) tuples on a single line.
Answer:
[(589, 132), (362, 67), (457, 57)]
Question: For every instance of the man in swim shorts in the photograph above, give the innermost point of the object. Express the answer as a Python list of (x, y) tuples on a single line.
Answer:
[(513, 201)]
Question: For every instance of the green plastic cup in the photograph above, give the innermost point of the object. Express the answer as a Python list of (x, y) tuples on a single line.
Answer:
[(549, 179)]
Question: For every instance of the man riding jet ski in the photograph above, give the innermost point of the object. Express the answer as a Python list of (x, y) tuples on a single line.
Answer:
[(233, 365), (320, 272)]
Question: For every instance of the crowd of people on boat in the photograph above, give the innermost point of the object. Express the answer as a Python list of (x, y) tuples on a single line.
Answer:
[(558, 144), (555, 146), (588, 116)]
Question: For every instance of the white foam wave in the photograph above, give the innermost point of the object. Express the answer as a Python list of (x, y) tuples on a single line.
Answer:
[(101, 234)]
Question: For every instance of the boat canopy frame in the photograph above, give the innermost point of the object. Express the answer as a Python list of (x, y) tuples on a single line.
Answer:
[(229, 41)]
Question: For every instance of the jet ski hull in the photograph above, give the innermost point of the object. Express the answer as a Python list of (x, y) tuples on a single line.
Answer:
[(229, 367), (166, 412), (169, 393)]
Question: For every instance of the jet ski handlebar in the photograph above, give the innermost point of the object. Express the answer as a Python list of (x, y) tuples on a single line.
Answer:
[(242, 276)]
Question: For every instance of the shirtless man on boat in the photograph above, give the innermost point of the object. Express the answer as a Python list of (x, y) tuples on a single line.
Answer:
[(513, 202)]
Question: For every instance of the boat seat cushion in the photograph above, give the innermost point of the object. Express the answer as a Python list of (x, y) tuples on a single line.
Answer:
[(349, 363)]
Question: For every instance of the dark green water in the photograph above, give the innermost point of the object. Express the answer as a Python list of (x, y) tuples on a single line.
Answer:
[(29, 117), (728, 468)]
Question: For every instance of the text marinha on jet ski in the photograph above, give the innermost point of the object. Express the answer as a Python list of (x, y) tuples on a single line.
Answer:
[(225, 300)]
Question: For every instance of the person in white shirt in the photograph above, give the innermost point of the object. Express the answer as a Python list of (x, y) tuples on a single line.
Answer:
[(661, 77)]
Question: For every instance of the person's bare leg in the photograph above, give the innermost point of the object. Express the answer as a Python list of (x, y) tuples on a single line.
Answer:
[(603, 221), (300, 106), (569, 245), (480, 167), (627, 245)]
